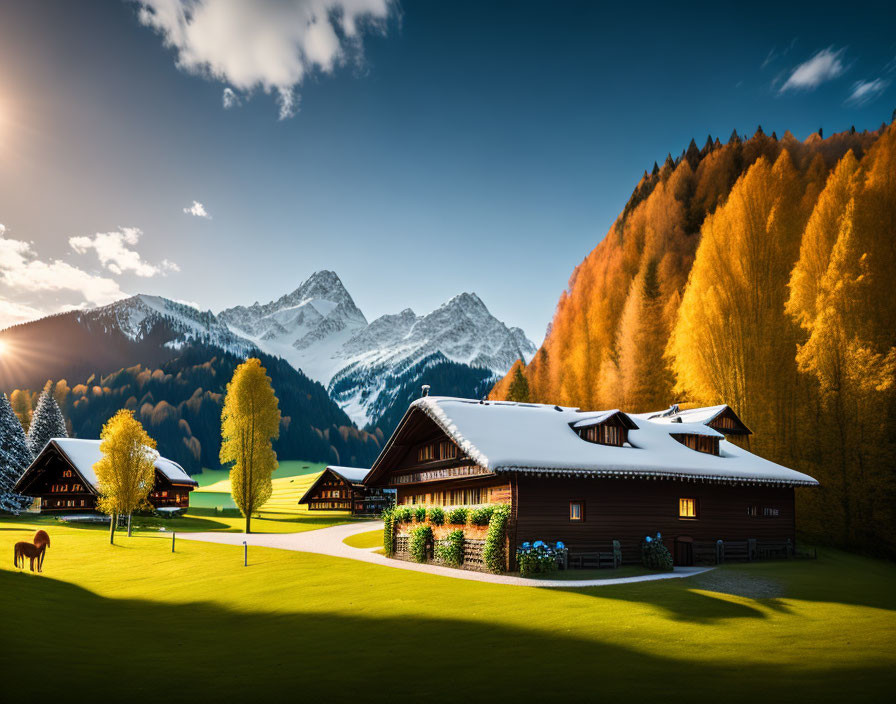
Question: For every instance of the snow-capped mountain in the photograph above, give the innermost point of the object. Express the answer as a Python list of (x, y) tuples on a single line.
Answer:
[(142, 316), (307, 327), (319, 329)]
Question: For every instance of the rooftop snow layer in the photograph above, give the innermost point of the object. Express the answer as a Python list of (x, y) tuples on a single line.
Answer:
[(83, 454), (505, 436), (351, 474)]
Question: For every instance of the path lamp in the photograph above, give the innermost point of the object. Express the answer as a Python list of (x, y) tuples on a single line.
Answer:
[(245, 554)]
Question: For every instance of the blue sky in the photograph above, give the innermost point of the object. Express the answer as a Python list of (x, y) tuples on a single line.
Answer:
[(432, 148)]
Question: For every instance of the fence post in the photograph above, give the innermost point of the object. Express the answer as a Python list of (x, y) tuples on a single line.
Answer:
[(172, 540), (245, 554), (720, 552)]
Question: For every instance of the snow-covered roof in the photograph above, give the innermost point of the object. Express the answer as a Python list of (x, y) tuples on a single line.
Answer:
[(703, 415), (83, 454), (516, 437), (351, 474)]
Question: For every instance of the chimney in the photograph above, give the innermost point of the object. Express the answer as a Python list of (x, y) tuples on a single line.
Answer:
[(425, 391)]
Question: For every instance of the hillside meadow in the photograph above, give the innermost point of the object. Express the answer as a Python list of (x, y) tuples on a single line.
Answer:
[(146, 624)]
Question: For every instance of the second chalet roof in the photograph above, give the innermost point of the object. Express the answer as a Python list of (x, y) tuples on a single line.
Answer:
[(505, 437), (351, 474), (83, 454)]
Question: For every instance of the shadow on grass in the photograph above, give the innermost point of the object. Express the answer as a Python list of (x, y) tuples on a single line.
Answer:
[(103, 648), (835, 577)]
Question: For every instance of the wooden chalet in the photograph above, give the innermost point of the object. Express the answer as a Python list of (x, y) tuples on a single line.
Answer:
[(63, 480), (343, 489), (589, 478)]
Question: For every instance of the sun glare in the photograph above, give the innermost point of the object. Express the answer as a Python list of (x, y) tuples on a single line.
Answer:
[(2, 348)]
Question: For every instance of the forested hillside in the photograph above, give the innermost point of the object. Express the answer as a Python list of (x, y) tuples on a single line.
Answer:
[(755, 273), (179, 403)]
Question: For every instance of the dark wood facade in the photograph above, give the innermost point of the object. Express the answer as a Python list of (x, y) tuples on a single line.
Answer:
[(335, 492), (60, 487), (587, 514)]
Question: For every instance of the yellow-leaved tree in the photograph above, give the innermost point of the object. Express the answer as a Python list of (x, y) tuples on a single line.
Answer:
[(249, 422), (126, 472)]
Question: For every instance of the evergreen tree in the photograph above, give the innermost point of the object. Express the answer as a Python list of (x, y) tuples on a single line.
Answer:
[(14, 458), (519, 387), (46, 423), (693, 154), (656, 169)]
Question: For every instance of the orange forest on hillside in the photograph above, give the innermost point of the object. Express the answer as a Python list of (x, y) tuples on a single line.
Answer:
[(758, 273)]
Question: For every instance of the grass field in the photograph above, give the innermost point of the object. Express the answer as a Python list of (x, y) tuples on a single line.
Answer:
[(134, 621), (369, 539), (291, 480)]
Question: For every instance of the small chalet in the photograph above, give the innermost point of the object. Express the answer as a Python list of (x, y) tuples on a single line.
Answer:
[(63, 480), (588, 478), (343, 489)]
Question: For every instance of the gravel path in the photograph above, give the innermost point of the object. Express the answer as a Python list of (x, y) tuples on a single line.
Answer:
[(739, 584), (328, 541)]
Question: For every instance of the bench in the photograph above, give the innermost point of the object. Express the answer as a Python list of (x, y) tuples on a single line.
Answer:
[(774, 548), (585, 560)]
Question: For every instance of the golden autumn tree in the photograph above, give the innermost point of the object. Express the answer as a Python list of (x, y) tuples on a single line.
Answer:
[(732, 342), (646, 383), (126, 472), (250, 422), (841, 293)]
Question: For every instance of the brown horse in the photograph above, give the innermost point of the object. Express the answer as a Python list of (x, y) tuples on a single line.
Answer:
[(41, 539), (31, 551)]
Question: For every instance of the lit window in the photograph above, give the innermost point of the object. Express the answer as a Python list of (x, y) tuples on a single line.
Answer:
[(753, 510), (576, 511), (770, 512), (687, 508), (426, 453)]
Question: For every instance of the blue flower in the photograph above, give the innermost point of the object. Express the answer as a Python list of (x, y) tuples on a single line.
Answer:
[(527, 545), (560, 546), (539, 543), (648, 539), (658, 536)]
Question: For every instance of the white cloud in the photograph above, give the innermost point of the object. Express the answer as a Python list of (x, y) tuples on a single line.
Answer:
[(29, 286), (230, 99), (115, 254), (267, 44), (866, 91), (825, 65), (198, 209)]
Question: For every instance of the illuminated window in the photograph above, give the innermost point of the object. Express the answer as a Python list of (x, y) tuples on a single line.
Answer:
[(67, 473), (426, 453), (577, 510), (687, 508), (753, 510), (447, 450), (770, 512)]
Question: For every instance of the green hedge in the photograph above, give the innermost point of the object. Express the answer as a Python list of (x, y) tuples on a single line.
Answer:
[(451, 550), (421, 537), (403, 514), (458, 516), (389, 521), (436, 515), (419, 513), (493, 551), (482, 515)]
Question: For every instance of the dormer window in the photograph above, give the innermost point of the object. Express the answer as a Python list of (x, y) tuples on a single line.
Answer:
[(609, 430), (700, 443), (443, 450), (604, 434)]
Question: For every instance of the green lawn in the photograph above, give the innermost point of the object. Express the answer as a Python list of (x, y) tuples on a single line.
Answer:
[(369, 539), (135, 622), (291, 481)]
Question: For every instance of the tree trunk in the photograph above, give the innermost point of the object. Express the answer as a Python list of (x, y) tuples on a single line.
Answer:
[(248, 521), (112, 520), (129, 525)]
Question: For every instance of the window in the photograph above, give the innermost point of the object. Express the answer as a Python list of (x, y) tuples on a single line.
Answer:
[(604, 434), (753, 510), (770, 512), (577, 511), (67, 473), (447, 450), (700, 443), (687, 508), (426, 453)]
